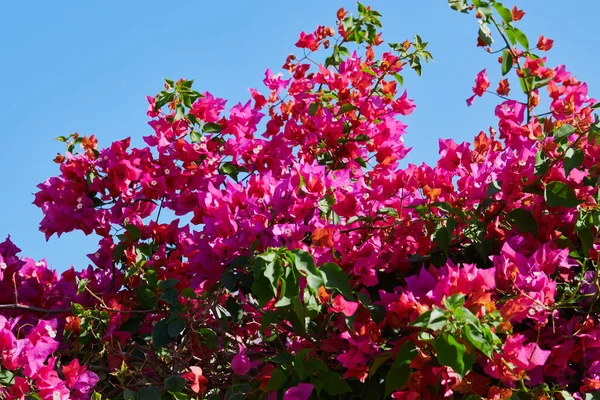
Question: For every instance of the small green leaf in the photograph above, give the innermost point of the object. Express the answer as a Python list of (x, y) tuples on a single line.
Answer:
[(7, 377), (504, 12), (442, 239), (212, 127), (452, 354), (278, 378), (334, 384), (369, 70), (523, 220), (170, 296), (148, 393), (305, 263), (346, 107), (160, 334), (573, 159), (455, 301), (175, 383), (558, 194), (388, 211), (507, 62), (521, 38), (434, 319), (313, 108), (176, 326), (563, 132), (82, 284), (400, 371), (209, 338), (478, 340), (336, 279), (195, 137), (587, 238)]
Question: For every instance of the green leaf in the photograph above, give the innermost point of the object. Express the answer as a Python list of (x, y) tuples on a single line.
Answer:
[(452, 354), (442, 238), (458, 5), (558, 194), (504, 12), (346, 107), (180, 114), (388, 211), (160, 334), (148, 393), (176, 326), (396, 378), (587, 238), (209, 338), (494, 188), (336, 279), (455, 301), (434, 319), (478, 340), (305, 263), (146, 296), (299, 362), (82, 284), (278, 378), (378, 362), (168, 283), (7, 377), (170, 296), (313, 108), (485, 34), (399, 78), (573, 159), (234, 309), (521, 38), (400, 371), (262, 289), (334, 384), (563, 132), (227, 168), (195, 137), (566, 395), (77, 309), (212, 127), (188, 293), (523, 220), (507, 62), (175, 383), (369, 70), (267, 319)]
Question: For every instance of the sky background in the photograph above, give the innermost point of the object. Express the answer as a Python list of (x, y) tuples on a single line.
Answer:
[(74, 66)]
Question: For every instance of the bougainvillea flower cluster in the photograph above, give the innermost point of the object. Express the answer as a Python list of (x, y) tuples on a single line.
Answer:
[(275, 249)]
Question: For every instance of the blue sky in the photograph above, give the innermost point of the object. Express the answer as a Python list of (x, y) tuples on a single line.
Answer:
[(74, 66)]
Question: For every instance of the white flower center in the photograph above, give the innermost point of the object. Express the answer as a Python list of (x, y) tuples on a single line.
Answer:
[(52, 334)]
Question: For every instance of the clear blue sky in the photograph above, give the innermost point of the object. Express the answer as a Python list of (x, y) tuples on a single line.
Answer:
[(86, 66)]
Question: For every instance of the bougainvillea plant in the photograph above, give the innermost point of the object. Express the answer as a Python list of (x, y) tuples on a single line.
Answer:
[(295, 259)]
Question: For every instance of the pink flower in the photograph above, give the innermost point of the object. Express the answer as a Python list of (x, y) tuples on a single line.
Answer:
[(274, 82), (240, 363), (300, 392), (403, 105), (481, 84), (341, 305), (78, 377), (544, 43), (199, 381)]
